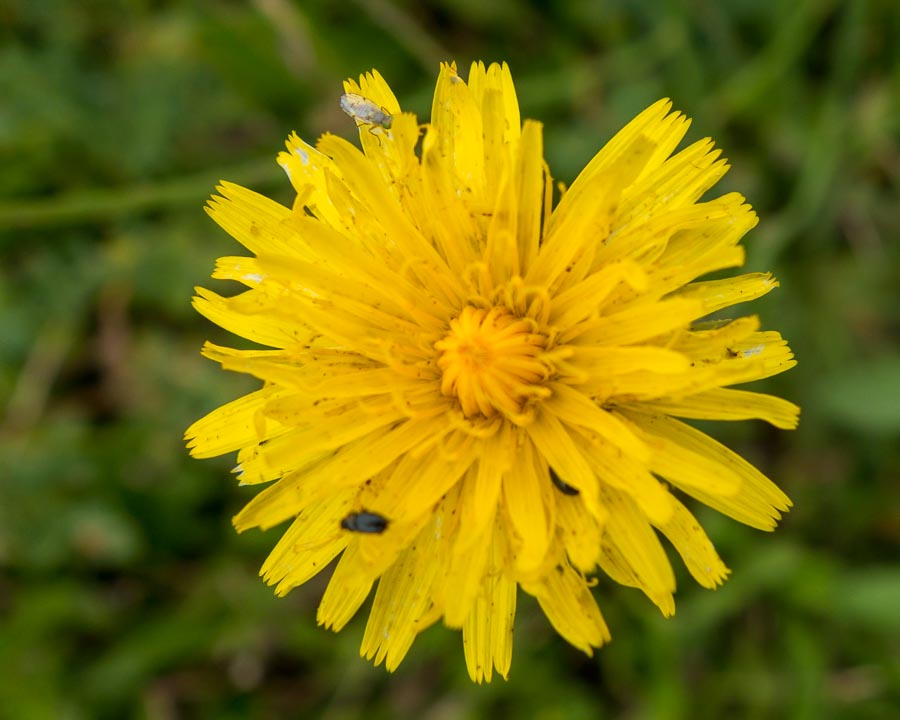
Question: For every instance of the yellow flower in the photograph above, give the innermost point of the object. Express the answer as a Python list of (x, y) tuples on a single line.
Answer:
[(472, 391)]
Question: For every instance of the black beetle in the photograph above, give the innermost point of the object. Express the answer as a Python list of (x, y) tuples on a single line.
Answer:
[(561, 485), (365, 522)]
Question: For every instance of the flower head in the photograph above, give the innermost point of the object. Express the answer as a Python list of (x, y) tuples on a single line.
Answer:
[(468, 390)]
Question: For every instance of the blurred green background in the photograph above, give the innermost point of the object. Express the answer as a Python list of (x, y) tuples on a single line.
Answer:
[(124, 590)]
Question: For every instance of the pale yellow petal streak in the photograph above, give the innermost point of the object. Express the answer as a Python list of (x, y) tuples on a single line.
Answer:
[(494, 94), (347, 327), (510, 101), (647, 238), (606, 362), (688, 470), (710, 248), (313, 434), (280, 501), (640, 385), (702, 244), (242, 269), (370, 277), (362, 459), (371, 303), (289, 368), (488, 629), (320, 376), (713, 340), (497, 79), (497, 151), (298, 429), (463, 580)]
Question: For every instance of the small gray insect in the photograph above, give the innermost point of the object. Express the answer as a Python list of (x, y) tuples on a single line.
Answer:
[(365, 522), (561, 485), (366, 112)]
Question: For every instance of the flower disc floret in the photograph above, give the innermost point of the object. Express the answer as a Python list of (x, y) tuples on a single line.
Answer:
[(491, 361)]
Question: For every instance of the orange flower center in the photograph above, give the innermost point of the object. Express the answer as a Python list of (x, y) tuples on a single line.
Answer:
[(492, 361)]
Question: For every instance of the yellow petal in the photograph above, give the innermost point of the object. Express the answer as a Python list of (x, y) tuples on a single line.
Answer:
[(718, 294), (632, 553), (231, 426), (255, 221), (346, 592), (403, 596), (462, 582), (565, 597), (554, 442), (697, 552), (457, 132), (712, 473), (529, 503), (580, 532), (635, 324), (654, 125), (531, 177), (480, 491), (488, 629), (729, 404), (578, 232), (309, 544)]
